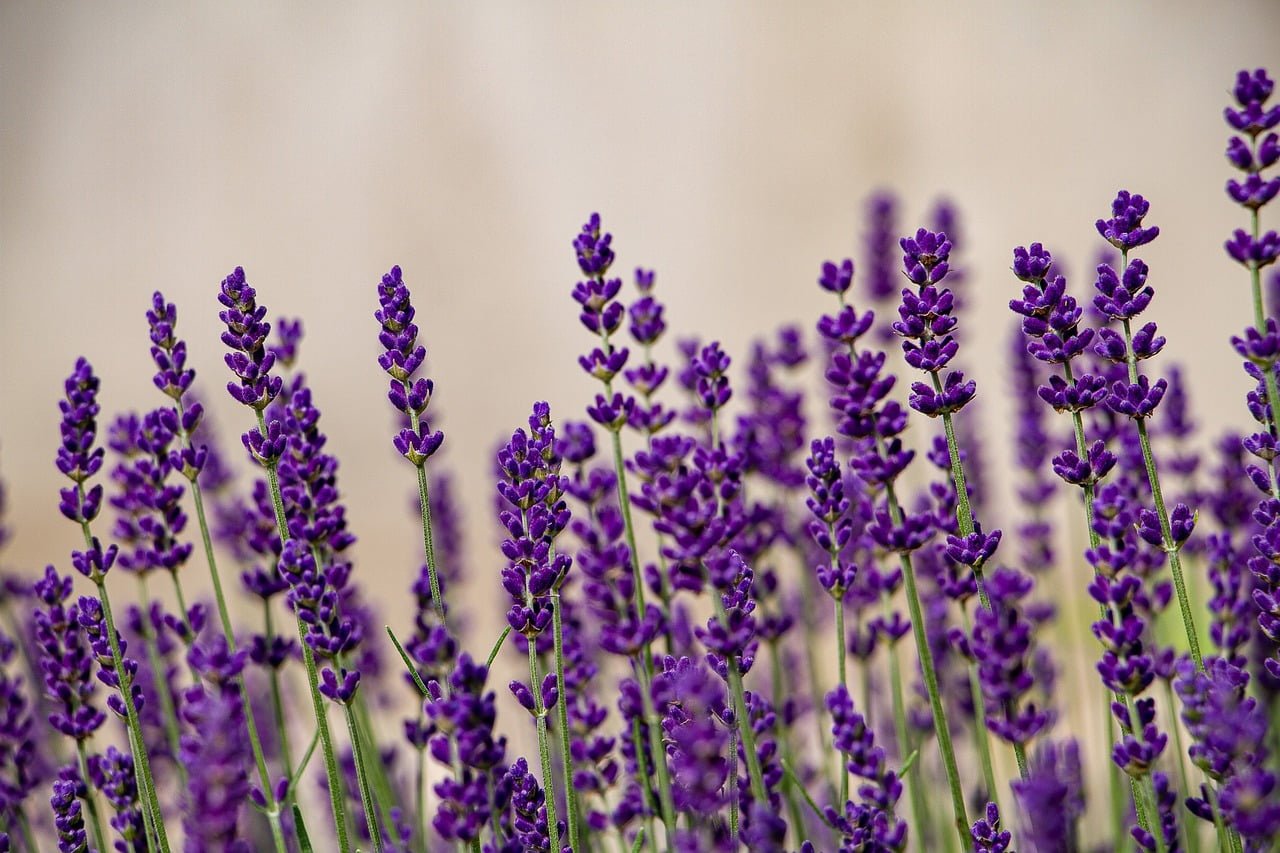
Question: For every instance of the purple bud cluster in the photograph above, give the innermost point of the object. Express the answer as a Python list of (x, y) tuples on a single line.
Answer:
[(695, 722), (149, 514), (246, 336), (174, 378), (1002, 644), (647, 326), (402, 358), (77, 458), (871, 819), (463, 718), (66, 661), (112, 773), (215, 748), (1253, 149), (602, 314), (93, 623), (535, 514), (20, 768)]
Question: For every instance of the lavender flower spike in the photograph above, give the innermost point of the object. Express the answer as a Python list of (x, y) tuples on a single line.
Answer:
[(79, 459), (410, 394)]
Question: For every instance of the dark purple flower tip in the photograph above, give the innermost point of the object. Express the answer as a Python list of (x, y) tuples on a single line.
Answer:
[(267, 449), (1181, 523), (836, 279), (1087, 391), (594, 249), (1032, 264), (1254, 191), (847, 326), (987, 834), (604, 365), (955, 394), (1096, 464), (1263, 349), (1252, 91), (612, 413), (95, 562), (418, 446), (912, 533), (576, 443), (647, 322), (1136, 399), (339, 689), (1124, 229), (973, 550), (1244, 249), (924, 257)]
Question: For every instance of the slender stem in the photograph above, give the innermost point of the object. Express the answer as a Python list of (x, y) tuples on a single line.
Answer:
[(385, 795), (1156, 828), (428, 543), (224, 617), (420, 795), (733, 787), (277, 698), (1260, 323), (748, 735), (811, 664), (782, 733), (562, 718), (791, 775), (964, 510), (313, 678), (544, 748), (919, 811), (362, 779), (1193, 841), (141, 762), (90, 798), (1173, 549), (841, 653), (642, 771), (940, 726), (28, 838), (980, 733), (160, 679)]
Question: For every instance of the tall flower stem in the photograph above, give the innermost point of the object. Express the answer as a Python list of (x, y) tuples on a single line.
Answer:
[(980, 734), (91, 799), (919, 810), (644, 672), (841, 655), (562, 718), (159, 677), (1260, 324), (313, 678), (224, 619), (428, 543), (1188, 830), (1171, 548), (940, 726), (782, 733), (362, 778), (141, 763), (964, 511), (277, 699), (384, 794), (544, 747), (420, 794)]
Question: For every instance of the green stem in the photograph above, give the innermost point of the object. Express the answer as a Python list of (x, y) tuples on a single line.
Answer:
[(428, 543), (980, 733), (919, 811), (385, 795), (941, 728), (544, 748), (28, 838), (497, 647), (313, 678), (141, 763), (748, 735), (795, 782), (841, 652), (160, 679), (90, 798), (1173, 549), (733, 787), (420, 795), (642, 771), (782, 733), (811, 592), (1260, 323), (277, 697), (224, 617), (362, 779), (1193, 841), (562, 718)]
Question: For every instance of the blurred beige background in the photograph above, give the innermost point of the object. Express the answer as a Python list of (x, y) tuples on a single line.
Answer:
[(729, 145)]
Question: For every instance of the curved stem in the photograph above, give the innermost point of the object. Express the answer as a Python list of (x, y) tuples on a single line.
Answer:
[(91, 799), (313, 678), (980, 733), (544, 748), (841, 654), (362, 779), (919, 810), (562, 718)]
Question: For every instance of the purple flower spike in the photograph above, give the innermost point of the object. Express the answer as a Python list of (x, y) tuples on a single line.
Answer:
[(1051, 798), (401, 358), (924, 257), (246, 337), (1124, 229), (112, 773), (1002, 646), (836, 279), (988, 835), (77, 457), (881, 788), (711, 365), (66, 661), (694, 711), (68, 818)]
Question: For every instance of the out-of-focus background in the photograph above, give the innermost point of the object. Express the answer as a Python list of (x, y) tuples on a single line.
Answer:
[(730, 146)]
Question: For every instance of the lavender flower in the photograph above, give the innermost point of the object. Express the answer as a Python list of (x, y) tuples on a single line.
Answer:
[(77, 457), (694, 710), (881, 789), (19, 768), (249, 359), (1051, 799), (68, 818), (65, 658), (1002, 646), (216, 749), (112, 774), (988, 836), (401, 359)]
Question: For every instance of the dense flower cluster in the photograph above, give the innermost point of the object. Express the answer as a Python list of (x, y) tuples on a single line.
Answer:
[(764, 630)]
